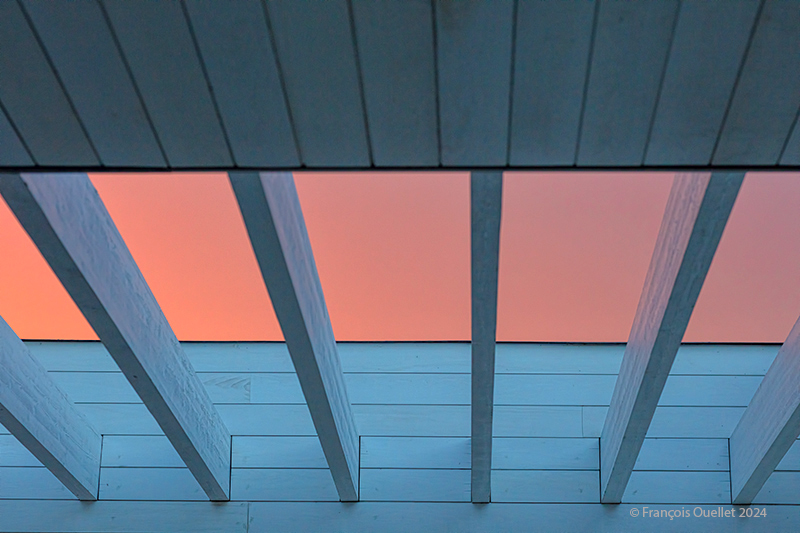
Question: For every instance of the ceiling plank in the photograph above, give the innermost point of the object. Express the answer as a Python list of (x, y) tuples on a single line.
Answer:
[(697, 210), (80, 44), (767, 97), (552, 54), (65, 218), (236, 48), (630, 49), (474, 49), (707, 51), (395, 47), (34, 99), (317, 56), (12, 151), (35, 410), (274, 220), (486, 195), (157, 44), (769, 426)]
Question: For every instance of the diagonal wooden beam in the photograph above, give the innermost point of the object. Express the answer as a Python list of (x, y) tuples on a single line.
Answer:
[(769, 425), (697, 210), (66, 219), (274, 221), (41, 417), (486, 194)]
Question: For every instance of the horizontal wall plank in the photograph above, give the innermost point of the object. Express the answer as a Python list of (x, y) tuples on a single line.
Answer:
[(781, 487), (415, 452), (533, 389), (525, 358), (401, 485), (408, 389), (139, 451), (570, 486), (683, 454), (678, 488), (278, 452), (267, 419), (538, 421), (413, 420), (238, 356), (791, 461), (261, 484), (20, 482), (545, 454), (723, 391), (391, 357), (705, 422), (149, 484), (746, 360), (13, 453)]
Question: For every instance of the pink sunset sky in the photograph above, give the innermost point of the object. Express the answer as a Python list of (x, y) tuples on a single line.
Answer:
[(392, 250)]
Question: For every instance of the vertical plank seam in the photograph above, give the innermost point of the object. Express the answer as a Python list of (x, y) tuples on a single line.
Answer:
[(128, 70), (209, 87), (360, 76), (586, 82), (16, 130), (511, 79), (282, 80), (436, 82), (730, 472), (661, 82), (61, 85), (743, 62)]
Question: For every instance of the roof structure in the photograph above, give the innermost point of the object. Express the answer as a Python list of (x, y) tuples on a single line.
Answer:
[(307, 435)]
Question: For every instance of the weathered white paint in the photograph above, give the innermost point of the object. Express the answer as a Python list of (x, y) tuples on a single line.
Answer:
[(274, 220), (696, 213), (41, 417), (66, 219), (486, 196), (770, 425)]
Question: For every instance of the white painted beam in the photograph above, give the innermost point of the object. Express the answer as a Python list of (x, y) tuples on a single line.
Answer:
[(38, 413), (697, 210), (769, 426), (274, 220), (486, 194), (66, 219)]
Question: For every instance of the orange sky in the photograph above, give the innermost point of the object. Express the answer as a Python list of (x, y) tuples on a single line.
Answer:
[(392, 251)]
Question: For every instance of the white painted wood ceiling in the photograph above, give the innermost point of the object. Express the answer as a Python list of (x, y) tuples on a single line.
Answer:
[(351, 84)]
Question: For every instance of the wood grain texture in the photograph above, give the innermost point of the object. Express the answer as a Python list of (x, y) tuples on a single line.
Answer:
[(322, 81), (695, 216), (274, 221), (486, 198), (34, 99), (237, 52), (550, 61), (707, 50), (770, 425), (396, 53), (765, 102), (157, 44), (473, 47), (83, 52), (66, 219), (38, 413), (630, 49)]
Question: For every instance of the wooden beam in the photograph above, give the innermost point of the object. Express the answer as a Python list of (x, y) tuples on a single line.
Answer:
[(274, 220), (486, 194), (769, 426), (66, 219), (41, 417), (697, 211)]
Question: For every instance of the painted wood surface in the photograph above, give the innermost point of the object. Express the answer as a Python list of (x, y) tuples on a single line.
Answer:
[(631, 45), (236, 49), (695, 216), (688, 488), (550, 65), (396, 54), (274, 220), (41, 417), (323, 82), (770, 425), (474, 43), (66, 219), (707, 50), (12, 151), (486, 196), (81, 47), (33, 98), (762, 112), (157, 43)]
